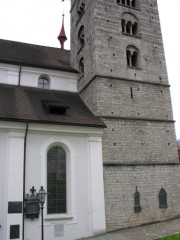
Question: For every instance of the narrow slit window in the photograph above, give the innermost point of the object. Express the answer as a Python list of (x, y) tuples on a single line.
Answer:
[(131, 90), (162, 198), (81, 66), (137, 205)]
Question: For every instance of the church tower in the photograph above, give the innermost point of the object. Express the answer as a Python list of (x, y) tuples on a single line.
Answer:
[(117, 47)]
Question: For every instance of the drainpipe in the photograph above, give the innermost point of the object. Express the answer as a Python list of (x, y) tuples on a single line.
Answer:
[(19, 77), (24, 176)]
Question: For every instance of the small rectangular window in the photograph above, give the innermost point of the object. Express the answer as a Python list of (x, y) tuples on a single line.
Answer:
[(54, 107)]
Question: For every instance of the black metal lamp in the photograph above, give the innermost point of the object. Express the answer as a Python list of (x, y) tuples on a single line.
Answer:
[(42, 197)]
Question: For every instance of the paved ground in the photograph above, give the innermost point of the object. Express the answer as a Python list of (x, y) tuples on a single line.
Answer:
[(148, 232)]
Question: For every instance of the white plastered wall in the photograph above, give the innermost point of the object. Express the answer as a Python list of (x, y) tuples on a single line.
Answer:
[(85, 193), (28, 76)]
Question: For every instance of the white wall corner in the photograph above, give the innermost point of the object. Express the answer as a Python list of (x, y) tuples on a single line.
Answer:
[(97, 185)]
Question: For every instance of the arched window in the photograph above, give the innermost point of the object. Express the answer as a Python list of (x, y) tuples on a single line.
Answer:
[(56, 181), (81, 36), (81, 66), (128, 3), (129, 24), (132, 56), (43, 82), (80, 7), (162, 198)]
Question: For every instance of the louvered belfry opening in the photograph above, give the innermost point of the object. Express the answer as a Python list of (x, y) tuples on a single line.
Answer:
[(56, 180)]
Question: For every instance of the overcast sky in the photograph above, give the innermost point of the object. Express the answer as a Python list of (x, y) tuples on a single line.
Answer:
[(39, 22)]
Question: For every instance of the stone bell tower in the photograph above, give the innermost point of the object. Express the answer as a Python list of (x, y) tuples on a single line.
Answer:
[(117, 47)]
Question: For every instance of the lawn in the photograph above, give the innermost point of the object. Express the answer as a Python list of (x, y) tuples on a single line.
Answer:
[(173, 237)]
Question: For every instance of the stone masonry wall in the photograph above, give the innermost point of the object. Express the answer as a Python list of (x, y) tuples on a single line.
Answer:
[(139, 142), (120, 185), (132, 99)]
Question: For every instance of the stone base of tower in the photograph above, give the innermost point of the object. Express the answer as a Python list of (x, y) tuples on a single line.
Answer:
[(121, 184)]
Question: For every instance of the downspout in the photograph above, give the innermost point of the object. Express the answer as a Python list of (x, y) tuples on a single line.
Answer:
[(19, 77), (24, 176)]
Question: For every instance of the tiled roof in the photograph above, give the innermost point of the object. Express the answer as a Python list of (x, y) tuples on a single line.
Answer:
[(19, 103), (35, 56)]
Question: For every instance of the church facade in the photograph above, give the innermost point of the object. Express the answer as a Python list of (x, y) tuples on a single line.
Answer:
[(93, 126)]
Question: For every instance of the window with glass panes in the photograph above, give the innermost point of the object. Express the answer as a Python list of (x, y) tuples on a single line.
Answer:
[(43, 82), (56, 180)]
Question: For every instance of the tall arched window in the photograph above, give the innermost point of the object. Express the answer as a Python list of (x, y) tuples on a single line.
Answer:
[(81, 36), (56, 181), (43, 82)]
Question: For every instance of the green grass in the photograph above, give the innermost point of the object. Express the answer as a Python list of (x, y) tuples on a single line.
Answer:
[(173, 237)]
